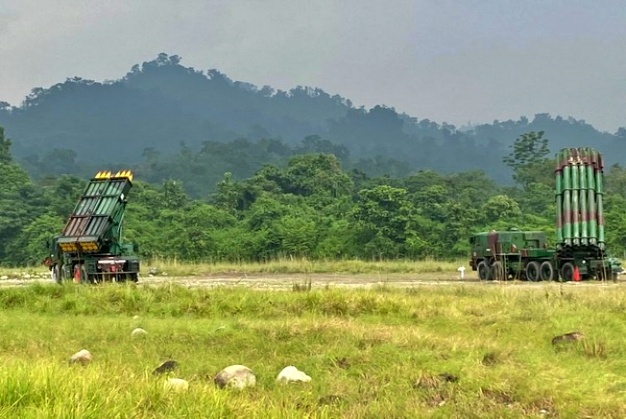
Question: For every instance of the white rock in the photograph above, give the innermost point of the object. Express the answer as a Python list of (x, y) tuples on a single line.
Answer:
[(26, 276), (291, 374), (82, 357), (135, 317), (176, 384), (138, 332), (237, 376), (4, 277)]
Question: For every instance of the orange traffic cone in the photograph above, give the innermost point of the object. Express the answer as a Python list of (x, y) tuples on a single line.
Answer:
[(576, 276), (77, 274)]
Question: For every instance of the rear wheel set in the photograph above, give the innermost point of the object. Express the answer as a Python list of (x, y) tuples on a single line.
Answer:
[(540, 271), (483, 271), (547, 271), (533, 272), (490, 272), (498, 273)]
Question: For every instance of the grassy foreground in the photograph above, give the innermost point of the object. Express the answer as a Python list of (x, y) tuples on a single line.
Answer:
[(371, 353)]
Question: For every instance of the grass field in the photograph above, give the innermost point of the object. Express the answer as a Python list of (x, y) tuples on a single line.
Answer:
[(371, 353)]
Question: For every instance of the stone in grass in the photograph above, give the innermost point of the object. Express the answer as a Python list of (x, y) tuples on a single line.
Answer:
[(568, 337), (176, 384), (237, 376), (138, 332), (82, 357), (428, 381), (291, 374), (167, 366)]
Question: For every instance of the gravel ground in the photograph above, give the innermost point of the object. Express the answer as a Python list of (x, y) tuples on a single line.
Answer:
[(288, 281)]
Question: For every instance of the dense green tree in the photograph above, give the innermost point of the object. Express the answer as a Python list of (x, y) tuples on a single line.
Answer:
[(30, 245), (615, 180), (529, 160), (5, 148), (62, 193), (382, 216), (20, 201), (501, 207)]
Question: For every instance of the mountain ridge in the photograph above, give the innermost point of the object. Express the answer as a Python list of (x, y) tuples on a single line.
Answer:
[(164, 106)]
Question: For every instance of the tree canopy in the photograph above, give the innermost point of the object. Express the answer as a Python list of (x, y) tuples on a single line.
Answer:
[(307, 206)]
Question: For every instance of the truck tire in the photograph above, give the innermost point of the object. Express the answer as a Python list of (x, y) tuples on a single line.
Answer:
[(603, 273), (546, 271), (56, 273), (532, 271), (567, 271), (84, 277), (483, 271), (497, 271)]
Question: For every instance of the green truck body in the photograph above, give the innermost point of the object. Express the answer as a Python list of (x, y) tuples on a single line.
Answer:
[(580, 251), (90, 247)]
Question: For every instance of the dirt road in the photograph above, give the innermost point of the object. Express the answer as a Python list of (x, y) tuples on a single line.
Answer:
[(319, 281)]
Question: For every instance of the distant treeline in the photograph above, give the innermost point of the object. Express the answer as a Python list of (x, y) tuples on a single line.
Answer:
[(309, 207), (164, 120)]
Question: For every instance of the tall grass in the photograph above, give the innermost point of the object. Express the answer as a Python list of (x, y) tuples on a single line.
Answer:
[(456, 351), (303, 265)]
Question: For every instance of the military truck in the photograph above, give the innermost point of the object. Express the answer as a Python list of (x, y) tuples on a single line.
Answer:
[(90, 246), (580, 252)]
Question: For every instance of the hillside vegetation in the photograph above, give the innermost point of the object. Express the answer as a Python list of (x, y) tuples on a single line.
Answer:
[(310, 208), (165, 120), (229, 172)]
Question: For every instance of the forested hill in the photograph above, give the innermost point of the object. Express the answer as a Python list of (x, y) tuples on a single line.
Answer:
[(165, 120)]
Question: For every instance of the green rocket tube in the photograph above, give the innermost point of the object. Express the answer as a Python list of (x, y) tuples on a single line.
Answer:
[(575, 208), (558, 198), (591, 202), (567, 208), (584, 214), (599, 203)]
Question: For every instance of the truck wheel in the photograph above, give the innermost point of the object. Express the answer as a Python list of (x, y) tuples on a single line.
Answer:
[(567, 271), (56, 274), (546, 271), (603, 274), (483, 271), (532, 271), (84, 277), (497, 271)]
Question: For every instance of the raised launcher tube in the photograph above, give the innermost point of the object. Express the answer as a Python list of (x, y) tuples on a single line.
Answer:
[(582, 200), (575, 215), (591, 200), (563, 198), (95, 223), (599, 199), (559, 201)]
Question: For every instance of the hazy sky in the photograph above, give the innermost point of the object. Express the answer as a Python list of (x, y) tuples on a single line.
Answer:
[(449, 61)]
